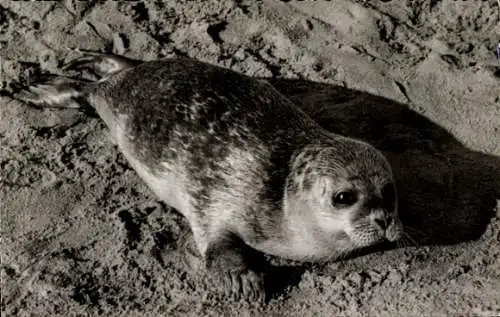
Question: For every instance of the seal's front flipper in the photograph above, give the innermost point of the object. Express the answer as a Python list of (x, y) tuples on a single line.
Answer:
[(101, 64), (236, 268), (60, 92)]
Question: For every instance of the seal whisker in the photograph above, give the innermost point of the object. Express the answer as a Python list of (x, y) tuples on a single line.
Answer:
[(410, 239), (402, 243), (415, 230)]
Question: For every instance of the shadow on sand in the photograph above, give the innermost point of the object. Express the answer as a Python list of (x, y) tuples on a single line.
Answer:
[(447, 193)]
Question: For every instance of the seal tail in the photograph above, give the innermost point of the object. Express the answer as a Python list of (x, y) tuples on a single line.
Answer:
[(58, 92), (69, 92)]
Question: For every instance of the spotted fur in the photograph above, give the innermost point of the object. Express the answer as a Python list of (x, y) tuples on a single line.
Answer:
[(246, 167)]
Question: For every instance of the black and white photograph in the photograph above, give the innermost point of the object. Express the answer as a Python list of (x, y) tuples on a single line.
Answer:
[(250, 158)]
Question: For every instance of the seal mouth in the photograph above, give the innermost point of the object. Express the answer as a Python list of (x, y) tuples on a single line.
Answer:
[(372, 235), (367, 241)]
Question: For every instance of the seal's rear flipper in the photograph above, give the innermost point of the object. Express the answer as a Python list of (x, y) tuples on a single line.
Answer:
[(101, 64), (61, 92)]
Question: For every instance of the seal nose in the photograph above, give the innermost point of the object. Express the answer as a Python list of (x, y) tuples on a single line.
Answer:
[(383, 221)]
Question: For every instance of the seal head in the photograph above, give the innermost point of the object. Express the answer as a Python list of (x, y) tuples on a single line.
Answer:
[(340, 196)]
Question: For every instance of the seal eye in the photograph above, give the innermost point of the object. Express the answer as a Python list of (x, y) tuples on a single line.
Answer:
[(345, 199)]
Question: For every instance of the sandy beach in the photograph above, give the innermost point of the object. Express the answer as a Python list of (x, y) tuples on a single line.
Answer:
[(81, 235)]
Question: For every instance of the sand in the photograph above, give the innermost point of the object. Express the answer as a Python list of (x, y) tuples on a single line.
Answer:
[(82, 236)]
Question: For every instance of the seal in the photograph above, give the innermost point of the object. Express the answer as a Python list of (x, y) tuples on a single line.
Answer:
[(250, 171)]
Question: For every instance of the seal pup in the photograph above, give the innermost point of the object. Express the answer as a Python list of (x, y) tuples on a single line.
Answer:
[(250, 171)]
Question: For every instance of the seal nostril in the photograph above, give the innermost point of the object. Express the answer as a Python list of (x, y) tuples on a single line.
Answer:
[(381, 222)]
